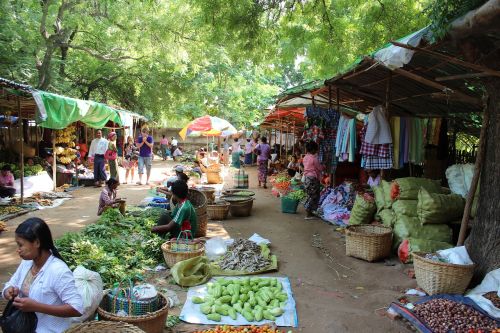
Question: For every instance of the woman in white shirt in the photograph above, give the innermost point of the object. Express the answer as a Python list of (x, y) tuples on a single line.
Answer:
[(43, 283)]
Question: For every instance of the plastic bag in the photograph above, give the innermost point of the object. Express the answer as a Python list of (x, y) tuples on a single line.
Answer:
[(407, 188), (363, 210), (191, 272), (405, 207), (14, 320), (387, 217), (491, 282), (439, 208), (457, 255), (89, 285), (410, 245), (215, 247), (144, 291)]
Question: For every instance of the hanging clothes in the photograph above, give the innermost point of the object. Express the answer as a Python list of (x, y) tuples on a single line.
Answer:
[(396, 131), (376, 156), (378, 130)]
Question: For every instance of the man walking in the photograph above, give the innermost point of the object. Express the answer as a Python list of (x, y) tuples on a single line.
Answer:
[(173, 144), (145, 145), (97, 149)]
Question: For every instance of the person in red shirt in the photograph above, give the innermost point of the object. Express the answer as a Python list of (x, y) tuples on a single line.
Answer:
[(6, 182), (312, 174)]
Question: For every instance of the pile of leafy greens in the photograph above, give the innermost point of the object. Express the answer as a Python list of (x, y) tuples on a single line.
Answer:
[(117, 247)]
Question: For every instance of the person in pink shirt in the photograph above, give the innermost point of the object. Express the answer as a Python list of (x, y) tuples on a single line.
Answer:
[(6, 182), (312, 175), (164, 147)]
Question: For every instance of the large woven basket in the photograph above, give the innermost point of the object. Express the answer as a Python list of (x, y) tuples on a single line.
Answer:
[(153, 322), (173, 257), (201, 231), (218, 211), (236, 191), (209, 193), (104, 327), (436, 277), (197, 199), (241, 208), (368, 242)]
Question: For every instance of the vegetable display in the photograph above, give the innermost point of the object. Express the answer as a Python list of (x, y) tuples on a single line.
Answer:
[(245, 255), (296, 195), (234, 329), (117, 246), (256, 299), (442, 316), (29, 170)]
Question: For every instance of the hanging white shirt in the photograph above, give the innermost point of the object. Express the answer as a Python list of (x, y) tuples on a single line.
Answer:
[(378, 130), (98, 147), (53, 285)]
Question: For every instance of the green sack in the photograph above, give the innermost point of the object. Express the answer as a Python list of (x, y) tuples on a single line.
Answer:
[(406, 227), (387, 217), (439, 208), (191, 272), (409, 187), (410, 245), (362, 212), (378, 191), (387, 194), (405, 207)]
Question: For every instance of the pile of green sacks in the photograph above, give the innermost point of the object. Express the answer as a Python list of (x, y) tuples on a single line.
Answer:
[(418, 210)]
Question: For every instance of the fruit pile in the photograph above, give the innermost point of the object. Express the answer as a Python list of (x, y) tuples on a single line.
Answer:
[(254, 298), (250, 329), (3, 226), (66, 142)]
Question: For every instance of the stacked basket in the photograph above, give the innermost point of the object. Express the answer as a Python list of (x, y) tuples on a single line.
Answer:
[(218, 210), (368, 242)]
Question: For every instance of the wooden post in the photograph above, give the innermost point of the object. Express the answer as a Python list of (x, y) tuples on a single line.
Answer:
[(37, 146), (332, 175), (21, 136), (293, 140), (54, 156), (475, 179)]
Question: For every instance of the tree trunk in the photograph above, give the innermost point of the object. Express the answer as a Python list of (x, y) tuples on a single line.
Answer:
[(483, 243)]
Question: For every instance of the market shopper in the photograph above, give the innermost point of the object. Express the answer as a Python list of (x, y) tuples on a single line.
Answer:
[(112, 154), (177, 153), (108, 198), (98, 148), (249, 152), (183, 217), (236, 154), (263, 151), (131, 155), (43, 283), (145, 145), (312, 175), (164, 147), (173, 145), (294, 166), (225, 152), (6, 182)]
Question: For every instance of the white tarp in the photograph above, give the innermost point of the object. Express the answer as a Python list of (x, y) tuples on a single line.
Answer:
[(33, 184), (395, 56), (191, 312), (491, 282)]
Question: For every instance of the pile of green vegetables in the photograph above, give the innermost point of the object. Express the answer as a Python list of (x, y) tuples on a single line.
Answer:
[(29, 170), (254, 298), (298, 195), (117, 247)]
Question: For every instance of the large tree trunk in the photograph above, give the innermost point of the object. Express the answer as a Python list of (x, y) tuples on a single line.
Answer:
[(483, 243)]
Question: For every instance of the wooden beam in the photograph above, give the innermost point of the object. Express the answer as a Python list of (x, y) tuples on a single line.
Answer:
[(21, 137), (462, 76), (453, 97), (450, 59)]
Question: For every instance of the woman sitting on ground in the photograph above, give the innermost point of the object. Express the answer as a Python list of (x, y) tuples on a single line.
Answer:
[(6, 182), (183, 217), (43, 283), (108, 197)]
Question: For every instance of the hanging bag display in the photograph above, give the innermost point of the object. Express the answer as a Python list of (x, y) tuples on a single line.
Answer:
[(240, 179), (14, 320)]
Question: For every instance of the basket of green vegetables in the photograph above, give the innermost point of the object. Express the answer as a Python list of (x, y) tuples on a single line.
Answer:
[(290, 202)]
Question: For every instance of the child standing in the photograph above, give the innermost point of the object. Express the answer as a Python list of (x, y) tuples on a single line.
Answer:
[(312, 174)]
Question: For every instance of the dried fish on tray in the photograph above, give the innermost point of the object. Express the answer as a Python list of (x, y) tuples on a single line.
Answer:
[(245, 255)]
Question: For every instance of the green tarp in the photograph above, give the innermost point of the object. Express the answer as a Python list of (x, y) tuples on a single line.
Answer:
[(58, 112)]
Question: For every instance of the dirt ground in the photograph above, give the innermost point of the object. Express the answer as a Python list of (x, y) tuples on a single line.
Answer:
[(333, 292)]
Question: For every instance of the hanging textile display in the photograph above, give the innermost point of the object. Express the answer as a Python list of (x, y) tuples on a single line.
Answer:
[(345, 144), (321, 127), (376, 141)]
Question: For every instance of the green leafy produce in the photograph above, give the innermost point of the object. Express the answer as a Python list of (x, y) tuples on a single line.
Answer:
[(254, 298), (29, 170), (296, 195), (117, 247)]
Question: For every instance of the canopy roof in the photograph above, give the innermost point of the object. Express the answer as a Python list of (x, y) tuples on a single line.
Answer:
[(55, 111)]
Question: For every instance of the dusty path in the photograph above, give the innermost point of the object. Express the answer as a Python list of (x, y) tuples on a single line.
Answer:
[(334, 293)]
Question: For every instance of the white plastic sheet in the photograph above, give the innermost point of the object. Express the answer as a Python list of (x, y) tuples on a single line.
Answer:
[(491, 282), (191, 312), (395, 56), (33, 184), (457, 255)]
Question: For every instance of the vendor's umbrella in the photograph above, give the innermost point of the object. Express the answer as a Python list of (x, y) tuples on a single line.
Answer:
[(207, 126)]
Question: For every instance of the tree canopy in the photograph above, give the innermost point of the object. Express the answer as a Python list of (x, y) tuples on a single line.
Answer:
[(173, 60)]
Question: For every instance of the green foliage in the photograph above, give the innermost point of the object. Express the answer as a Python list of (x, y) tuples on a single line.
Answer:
[(296, 195), (443, 12), (29, 170), (116, 247)]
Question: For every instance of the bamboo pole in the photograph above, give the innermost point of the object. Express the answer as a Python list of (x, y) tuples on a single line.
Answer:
[(475, 179), (54, 156), (21, 136), (37, 146)]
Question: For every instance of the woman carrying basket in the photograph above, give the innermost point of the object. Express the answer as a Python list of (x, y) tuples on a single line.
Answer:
[(183, 217)]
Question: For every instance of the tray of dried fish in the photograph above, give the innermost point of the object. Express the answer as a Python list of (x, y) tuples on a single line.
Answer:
[(245, 256)]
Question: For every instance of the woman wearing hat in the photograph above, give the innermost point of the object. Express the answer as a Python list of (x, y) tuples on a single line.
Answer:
[(113, 163)]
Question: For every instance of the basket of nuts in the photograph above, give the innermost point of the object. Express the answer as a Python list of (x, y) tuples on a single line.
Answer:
[(436, 277)]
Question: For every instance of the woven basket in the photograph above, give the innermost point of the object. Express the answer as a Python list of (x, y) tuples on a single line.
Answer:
[(368, 242), (173, 257), (197, 199), (436, 277), (209, 193), (241, 208), (104, 327), (153, 322), (201, 231), (236, 190), (218, 211)]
